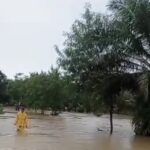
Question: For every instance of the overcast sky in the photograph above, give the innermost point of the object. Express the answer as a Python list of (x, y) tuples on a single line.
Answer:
[(29, 29)]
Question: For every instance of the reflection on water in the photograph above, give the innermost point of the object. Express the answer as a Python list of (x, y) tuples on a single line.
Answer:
[(70, 131)]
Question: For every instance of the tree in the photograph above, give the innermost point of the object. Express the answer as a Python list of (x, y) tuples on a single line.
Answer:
[(88, 54), (131, 20), (101, 51), (45, 91), (39, 90), (3, 88), (132, 27), (141, 118), (56, 94), (16, 88)]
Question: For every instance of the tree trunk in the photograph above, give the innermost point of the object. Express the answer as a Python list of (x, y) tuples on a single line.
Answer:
[(111, 116), (42, 112), (35, 109), (111, 120)]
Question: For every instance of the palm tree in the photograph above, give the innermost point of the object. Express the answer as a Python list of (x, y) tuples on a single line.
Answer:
[(132, 27), (141, 119)]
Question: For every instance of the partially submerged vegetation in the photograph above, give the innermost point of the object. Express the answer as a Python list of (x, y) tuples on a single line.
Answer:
[(1, 109)]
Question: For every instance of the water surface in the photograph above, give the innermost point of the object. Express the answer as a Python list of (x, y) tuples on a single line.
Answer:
[(70, 131)]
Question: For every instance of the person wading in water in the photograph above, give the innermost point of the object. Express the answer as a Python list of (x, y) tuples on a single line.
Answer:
[(21, 120)]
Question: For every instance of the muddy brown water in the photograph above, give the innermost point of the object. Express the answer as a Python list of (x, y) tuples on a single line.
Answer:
[(70, 131)]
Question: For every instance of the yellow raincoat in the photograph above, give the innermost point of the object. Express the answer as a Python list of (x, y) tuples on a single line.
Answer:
[(21, 121)]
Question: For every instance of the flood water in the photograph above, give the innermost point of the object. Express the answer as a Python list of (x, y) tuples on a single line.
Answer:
[(70, 131)]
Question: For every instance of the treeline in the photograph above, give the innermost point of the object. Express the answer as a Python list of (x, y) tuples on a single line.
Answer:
[(56, 92), (44, 91), (47, 91)]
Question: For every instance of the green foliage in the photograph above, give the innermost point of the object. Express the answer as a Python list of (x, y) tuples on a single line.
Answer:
[(88, 56), (45, 91), (125, 102), (141, 119), (101, 51), (16, 88), (133, 25), (4, 98)]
